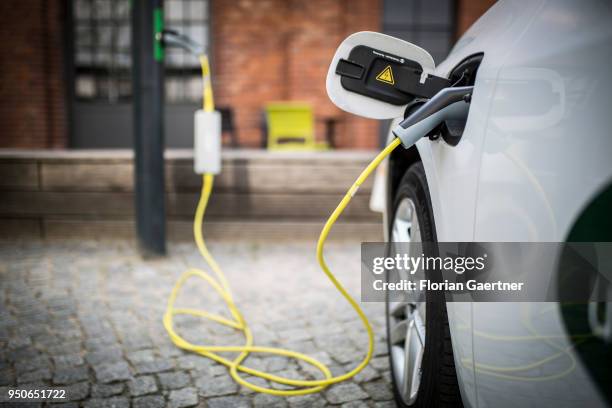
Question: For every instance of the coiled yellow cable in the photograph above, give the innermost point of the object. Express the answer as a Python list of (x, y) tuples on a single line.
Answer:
[(221, 286)]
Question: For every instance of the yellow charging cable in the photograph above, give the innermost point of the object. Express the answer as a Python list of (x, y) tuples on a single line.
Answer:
[(221, 286), (207, 93)]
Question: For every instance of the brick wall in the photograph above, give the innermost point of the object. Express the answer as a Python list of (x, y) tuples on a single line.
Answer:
[(270, 50), (32, 106), (264, 50)]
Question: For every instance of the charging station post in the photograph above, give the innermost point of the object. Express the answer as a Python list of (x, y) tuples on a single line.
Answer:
[(147, 57)]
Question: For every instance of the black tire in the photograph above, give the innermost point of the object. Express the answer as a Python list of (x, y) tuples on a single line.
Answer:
[(439, 386)]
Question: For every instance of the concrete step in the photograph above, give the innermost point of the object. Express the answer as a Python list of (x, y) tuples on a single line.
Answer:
[(259, 194)]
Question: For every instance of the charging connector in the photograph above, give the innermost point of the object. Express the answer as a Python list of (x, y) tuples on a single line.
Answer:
[(449, 103), (207, 121)]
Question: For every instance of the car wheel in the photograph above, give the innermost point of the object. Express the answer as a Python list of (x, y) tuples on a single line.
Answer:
[(418, 336)]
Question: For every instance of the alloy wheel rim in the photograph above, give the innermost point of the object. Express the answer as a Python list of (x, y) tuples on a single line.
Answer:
[(406, 313)]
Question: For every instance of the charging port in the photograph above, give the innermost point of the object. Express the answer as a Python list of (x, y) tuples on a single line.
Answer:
[(464, 74)]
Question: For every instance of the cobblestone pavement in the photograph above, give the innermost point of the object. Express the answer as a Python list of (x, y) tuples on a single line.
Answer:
[(86, 317)]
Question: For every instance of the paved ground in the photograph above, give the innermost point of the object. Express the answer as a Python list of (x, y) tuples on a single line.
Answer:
[(87, 316)]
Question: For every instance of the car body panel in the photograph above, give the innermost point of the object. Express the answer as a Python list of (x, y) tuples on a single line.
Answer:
[(539, 109), (453, 172), (546, 154)]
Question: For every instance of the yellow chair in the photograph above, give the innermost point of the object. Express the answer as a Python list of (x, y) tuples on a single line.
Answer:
[(291, 127)]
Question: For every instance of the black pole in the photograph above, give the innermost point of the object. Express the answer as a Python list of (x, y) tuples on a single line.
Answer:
[(147, 82)]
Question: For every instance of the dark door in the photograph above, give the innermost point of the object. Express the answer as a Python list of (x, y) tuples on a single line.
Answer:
[(100, 61), (430, 24)]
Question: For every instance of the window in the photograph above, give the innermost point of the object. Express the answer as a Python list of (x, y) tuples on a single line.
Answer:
[(102, 51), (429, 24)]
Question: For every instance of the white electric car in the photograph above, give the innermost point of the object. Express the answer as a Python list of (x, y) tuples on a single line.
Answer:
[(532, 162)]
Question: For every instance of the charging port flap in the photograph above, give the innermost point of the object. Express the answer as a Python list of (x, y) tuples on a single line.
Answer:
[(376, 76)]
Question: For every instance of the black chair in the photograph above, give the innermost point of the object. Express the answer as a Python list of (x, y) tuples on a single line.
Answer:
[(228, 125)]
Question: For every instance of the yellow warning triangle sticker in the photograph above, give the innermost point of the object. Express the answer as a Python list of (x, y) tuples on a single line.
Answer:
[(386, 76)]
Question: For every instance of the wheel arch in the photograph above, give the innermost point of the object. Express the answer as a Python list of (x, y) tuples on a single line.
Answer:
[(399, 162)]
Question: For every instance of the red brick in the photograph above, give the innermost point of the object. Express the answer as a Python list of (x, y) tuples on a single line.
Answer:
[(274, 50), (32, 109)]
